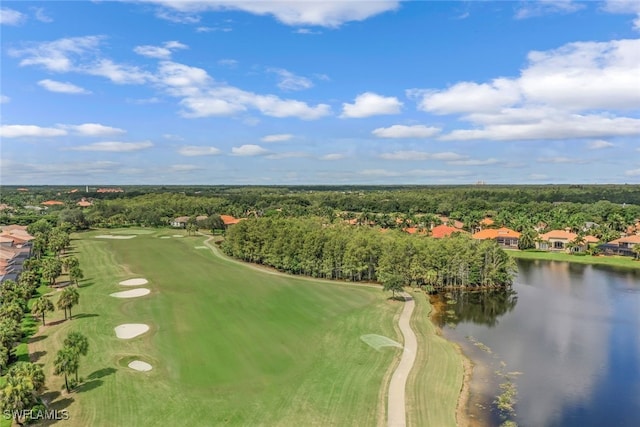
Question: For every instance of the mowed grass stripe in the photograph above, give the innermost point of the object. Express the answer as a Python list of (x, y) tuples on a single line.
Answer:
[(434, 384), (228, 344)]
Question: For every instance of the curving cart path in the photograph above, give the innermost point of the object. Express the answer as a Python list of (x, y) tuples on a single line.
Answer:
[(396, 409)]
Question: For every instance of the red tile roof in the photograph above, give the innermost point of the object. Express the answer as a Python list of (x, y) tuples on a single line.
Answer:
[(230, 220), (444, 230), (635, 239), (559, 235), (492, 233), (52, 203), (487, 221), (591, 239)]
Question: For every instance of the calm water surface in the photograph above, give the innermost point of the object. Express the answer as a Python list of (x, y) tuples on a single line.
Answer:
[(570, 337)]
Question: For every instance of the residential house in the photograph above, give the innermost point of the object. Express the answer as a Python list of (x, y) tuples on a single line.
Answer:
[(52, 203), (109, 190), (228, 220), (84, 203), (485, 223), (448, 221), (180, 222), (505, 237), (15, 248), (559, 240), (621, 246), (443, 230)]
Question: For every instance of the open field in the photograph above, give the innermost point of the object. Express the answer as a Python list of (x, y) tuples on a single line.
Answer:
[(434, 385), (616, 261), (228, 344)]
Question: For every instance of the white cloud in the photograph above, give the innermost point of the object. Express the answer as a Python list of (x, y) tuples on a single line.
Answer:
[(172, 137), (306, 31), (58, 55), (326, 14), (530, 9), (248, 150), (561, 159), (413, 173), (632, 172), (144, 101), (184, 168), (470, 97), (474, 162), (114, 146), (332, 156), (118, 73), (625, 7), (40, 15), (290, 81), (62, 87), (538, 176), (22, 172), (159, 52), (11, 17), (420, 155), (281, 137), (288, 155), (402, 131), (4, 99), (599, 144), (197, 150), (182, 79), (371, 104), (19, 131), (94, 129)]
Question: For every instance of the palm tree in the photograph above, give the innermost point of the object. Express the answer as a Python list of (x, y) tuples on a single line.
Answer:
[(66, 363), (16, 396), (12, 310), (30, 371), (4, 358), (68, 299), (41, 306), (69, 262), (636, 250), (76, 274), (77, 342), (51, 269), (10, 332)]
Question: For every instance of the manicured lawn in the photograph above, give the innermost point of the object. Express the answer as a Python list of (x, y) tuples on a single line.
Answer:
[(617, 261), (228, 344), (434, 383)]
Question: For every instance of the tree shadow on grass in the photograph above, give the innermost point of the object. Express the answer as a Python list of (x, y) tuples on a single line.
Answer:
[(100, 373), (37, 339), (56, 405), (89, 385), (36, 355), (84, 315), (85, 283)]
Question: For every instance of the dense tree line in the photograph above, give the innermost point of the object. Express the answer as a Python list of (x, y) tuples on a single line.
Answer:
[(311, 247)]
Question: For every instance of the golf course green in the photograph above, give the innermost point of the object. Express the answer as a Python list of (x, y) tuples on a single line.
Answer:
[(228, 344)]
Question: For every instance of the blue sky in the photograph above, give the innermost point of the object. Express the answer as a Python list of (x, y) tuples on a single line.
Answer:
[(345, 92)]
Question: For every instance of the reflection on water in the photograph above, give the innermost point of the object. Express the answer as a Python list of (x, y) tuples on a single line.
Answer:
[(572, 330)]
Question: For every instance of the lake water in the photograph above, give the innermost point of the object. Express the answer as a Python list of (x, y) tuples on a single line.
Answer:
[(569, 339)]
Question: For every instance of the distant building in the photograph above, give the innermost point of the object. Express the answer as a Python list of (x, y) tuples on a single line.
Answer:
[(505, 237), (109, 190), (228, 220), (443, 230), (180, 222), (52, 203), (15, 248), (621, 246), (84, 203)]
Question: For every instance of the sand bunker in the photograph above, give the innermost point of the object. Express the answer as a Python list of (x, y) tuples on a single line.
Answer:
[(201, 247), (165, 237), (177, 235), (110, 236), (379, 341), (138, 292), (139, 365), (130, 330), (134, 282)]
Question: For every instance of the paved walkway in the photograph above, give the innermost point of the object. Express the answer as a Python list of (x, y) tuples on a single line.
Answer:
[(396, 408)]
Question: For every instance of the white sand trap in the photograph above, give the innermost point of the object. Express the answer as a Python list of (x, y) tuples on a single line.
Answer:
[(110, 236), (379, 341), (134, 282), (201, 247), (133, 293), (177, 235), (130, 330), (165, 237), (139, 365)]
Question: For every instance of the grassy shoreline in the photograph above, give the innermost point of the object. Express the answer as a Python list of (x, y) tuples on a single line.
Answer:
[(614, 261)]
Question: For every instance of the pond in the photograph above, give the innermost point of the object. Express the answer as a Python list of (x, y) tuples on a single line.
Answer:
[(568, 338)]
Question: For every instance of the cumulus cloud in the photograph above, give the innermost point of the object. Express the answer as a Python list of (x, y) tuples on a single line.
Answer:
[(402, 131), (114, 146), (58, 55), (159, 52), (41, 15), (280, 137), (198, 150), (569, 92), (184, 168), (625, 7), (62, 87), (248, 150), (474, 162), (414, 173), (325, 14), (332, 156), (561, 159), (371, 104), (11, 17), (289, 81), (288, 155), (19, 131), (4, 99), (599, 144), (94, 129)]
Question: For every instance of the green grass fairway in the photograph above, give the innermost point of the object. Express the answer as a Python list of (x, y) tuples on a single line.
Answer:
[(229, 345), (435, 382), (615, 261)]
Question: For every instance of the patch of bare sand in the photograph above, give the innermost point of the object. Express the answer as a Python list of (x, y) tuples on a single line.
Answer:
[(134, 282), (130, 330), (139, 365), (133, 293)]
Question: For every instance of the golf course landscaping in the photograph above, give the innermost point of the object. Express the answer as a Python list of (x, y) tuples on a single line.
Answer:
[(214, 341)]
